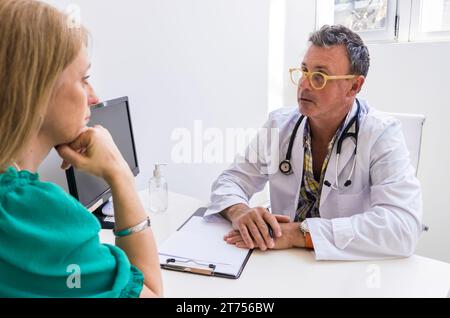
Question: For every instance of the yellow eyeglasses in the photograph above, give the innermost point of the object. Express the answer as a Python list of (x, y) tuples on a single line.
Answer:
[(318, 80)]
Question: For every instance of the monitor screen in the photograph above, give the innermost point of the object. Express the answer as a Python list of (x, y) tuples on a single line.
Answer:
[(114, 115)]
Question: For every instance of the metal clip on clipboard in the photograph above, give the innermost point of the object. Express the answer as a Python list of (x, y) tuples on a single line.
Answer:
[(171, 264)]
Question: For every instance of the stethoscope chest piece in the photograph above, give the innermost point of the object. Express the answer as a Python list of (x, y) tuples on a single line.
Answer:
[(286, 167)]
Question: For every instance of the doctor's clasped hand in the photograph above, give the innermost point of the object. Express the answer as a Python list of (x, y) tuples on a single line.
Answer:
[(252, 225), (288, 237)]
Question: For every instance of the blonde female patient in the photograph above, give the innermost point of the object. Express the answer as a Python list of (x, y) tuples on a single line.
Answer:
[(46, 235)]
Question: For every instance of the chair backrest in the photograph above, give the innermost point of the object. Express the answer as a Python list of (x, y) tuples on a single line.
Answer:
[(412, 126)]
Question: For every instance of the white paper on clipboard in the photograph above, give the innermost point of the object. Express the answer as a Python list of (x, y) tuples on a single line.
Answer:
[(199, 244)]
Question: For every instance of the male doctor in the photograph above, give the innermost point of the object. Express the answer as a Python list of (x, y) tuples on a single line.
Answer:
[(363, 203)]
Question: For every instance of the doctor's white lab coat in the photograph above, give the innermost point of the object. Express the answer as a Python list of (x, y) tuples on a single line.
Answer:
[(378, 216)]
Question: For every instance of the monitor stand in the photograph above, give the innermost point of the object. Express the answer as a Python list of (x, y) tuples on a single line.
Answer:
[(106, 221), (108, 208)]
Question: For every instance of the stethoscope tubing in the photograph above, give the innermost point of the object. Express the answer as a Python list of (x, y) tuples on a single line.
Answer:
[(286, 166)]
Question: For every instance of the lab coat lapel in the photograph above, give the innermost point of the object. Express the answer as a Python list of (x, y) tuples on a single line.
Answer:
[(298, 154), (330, 177)]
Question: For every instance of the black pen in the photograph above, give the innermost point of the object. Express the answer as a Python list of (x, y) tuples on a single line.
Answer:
[(270, 230), (269, 227)]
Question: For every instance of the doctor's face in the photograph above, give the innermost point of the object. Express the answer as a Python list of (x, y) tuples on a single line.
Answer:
[(336, 98)]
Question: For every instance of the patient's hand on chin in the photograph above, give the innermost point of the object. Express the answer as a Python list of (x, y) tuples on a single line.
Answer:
[(65, 165)]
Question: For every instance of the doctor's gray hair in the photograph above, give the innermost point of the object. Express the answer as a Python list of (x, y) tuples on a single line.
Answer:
[(358, 53)]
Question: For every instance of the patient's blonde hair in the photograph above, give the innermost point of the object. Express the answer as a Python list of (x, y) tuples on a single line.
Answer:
[(37, 42)]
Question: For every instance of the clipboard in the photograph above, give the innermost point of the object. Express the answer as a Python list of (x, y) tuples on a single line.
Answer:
[(203, 266)]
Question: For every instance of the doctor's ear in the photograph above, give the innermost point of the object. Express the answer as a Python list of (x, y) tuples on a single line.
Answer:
[(357, 85)]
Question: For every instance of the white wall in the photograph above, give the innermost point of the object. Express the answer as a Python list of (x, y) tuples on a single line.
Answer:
[(178, 61)]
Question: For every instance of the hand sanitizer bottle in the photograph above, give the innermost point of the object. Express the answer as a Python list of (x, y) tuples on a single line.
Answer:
[(158, 191)]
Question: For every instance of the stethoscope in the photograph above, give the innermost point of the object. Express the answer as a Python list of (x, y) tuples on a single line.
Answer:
[(286, 166)]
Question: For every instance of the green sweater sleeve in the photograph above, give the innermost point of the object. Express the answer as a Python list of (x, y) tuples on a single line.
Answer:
[(51, 248)]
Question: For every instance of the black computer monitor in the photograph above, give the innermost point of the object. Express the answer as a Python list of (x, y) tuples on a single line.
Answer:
[(114, 115)]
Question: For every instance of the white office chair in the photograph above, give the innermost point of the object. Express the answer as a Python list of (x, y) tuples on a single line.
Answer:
[(412, 126)]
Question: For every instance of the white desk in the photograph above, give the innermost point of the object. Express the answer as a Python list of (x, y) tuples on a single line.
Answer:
[(295, 273)]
